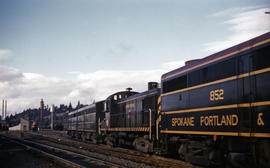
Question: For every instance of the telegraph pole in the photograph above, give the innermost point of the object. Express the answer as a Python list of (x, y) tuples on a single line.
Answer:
[(52, 115), (3, 109)]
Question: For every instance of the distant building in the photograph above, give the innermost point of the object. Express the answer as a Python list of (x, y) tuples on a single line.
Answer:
[(41, 114), (15, 128), (23, 126)]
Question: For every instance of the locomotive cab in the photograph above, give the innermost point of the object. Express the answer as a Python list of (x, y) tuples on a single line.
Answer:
[(110, 106)]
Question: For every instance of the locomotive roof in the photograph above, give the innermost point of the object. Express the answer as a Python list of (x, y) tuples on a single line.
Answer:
[(219, 55), (121, 92), (142, 94), (82, 108)]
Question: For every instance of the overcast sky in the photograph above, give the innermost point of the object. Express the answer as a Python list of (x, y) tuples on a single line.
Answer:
[(69, 50)]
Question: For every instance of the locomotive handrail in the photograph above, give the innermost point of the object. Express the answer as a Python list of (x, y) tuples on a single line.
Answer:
[(150, 124)]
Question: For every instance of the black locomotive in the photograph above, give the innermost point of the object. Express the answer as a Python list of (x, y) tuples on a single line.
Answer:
[(214, 110)]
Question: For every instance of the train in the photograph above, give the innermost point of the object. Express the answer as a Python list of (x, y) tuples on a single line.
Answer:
[(212, 111)]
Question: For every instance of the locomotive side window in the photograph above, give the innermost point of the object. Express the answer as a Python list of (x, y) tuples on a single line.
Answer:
[(175, 84), (261, 59), (221, 70), (243, 64), (211, 73), (194, 78)]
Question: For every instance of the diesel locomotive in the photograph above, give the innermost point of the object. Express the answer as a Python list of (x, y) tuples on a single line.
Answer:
[(212, 111)]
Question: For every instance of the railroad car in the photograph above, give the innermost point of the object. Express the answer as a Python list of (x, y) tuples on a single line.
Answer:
[(84, 123), (131, 121), (212, 111), (217, 108), (112, 113)]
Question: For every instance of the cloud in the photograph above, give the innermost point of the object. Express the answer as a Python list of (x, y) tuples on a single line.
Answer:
[(8, 74), (233, 11), (244, 25), (25, 90), (101, 84), (4, 54), (74, 72), (120, 50), (172, 65)]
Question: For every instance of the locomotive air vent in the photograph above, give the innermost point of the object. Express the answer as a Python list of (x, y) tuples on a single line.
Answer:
[(152, 85), (191, 61)]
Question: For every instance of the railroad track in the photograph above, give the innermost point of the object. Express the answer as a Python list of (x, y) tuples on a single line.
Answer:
[(67, 157), (129, 158)]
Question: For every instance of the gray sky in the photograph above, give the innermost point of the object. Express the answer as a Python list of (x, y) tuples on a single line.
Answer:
[(69, 50)]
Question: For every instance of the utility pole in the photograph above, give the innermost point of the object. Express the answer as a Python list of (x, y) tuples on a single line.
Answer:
[(52, 115), (3, 109)]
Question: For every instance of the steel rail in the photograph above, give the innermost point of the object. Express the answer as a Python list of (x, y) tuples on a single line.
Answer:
[(62, 150), (46, 153), (76, 153)]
